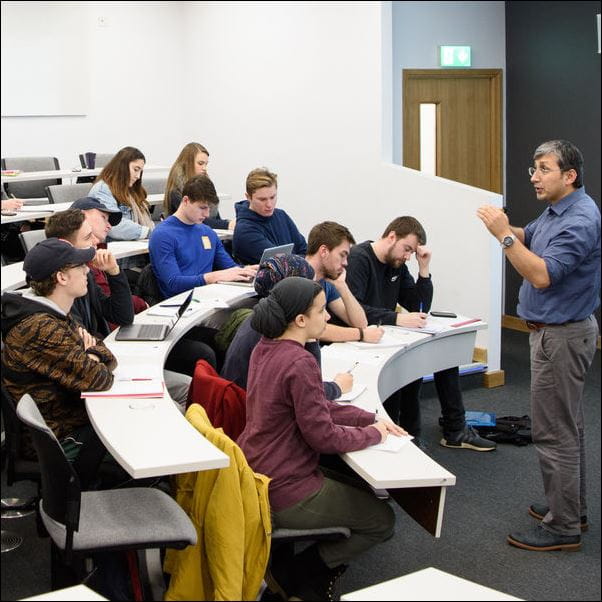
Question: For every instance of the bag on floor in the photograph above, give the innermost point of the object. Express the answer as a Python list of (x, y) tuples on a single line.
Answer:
[(508, 429)]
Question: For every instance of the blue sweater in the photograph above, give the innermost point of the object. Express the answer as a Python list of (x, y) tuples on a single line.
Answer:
[(254, 233), (181, 254)]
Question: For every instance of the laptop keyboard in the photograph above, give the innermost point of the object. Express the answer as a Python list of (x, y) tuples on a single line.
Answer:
[(148, 330)]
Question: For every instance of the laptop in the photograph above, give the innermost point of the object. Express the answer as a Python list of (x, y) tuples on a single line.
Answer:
[(151, 332), (267, 254)]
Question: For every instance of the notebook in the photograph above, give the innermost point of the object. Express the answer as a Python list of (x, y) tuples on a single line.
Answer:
[(267, 253), (151, 332)]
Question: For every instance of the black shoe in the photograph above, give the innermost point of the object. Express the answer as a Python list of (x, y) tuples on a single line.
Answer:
[(538, 511), (540, 540), (467, 438), (316, 580)]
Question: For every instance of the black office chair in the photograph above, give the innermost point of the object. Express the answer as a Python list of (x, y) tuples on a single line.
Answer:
[(18, 469), (84, 523)]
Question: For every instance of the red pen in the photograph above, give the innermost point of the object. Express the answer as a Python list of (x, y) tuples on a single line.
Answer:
[(465, 322)]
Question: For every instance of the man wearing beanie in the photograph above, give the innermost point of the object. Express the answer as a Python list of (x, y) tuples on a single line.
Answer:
[(48, 355)]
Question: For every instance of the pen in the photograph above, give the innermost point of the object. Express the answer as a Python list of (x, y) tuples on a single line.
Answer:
[(352, 368), (134, 379), (170, 305), (420, 308)]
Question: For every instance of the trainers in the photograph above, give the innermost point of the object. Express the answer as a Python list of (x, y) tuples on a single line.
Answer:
[(467, 438), (538, 511), (540, 540)]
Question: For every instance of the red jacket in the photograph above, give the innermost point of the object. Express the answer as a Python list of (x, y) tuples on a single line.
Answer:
[(223, 400)]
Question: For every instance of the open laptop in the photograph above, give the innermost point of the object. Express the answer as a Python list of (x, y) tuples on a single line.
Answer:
[(267, 253), (151, 332)]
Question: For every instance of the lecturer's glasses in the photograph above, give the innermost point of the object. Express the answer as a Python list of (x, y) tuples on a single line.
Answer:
[(544, 171)]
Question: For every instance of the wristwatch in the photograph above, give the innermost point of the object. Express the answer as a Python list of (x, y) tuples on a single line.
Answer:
[(508, 241)]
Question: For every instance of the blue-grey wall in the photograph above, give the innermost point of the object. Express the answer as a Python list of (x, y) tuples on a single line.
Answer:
[(420, 27)]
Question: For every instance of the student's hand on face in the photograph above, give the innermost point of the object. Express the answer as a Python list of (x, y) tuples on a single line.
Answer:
[(345, 381), (373, 334), (393, 428), (105, 261), (423, 256), (495, 220), (87, 338), (415, 319)]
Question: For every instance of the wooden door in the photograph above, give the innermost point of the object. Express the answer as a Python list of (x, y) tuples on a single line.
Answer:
[(468, 123)]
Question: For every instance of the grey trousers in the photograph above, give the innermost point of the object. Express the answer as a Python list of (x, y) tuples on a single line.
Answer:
[(560, 358), (338, 504)]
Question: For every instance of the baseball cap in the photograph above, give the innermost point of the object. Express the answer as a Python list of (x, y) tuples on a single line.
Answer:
[(50, 255), (88, 202)]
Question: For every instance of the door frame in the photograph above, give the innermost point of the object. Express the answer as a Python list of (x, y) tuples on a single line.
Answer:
[(495, 83)]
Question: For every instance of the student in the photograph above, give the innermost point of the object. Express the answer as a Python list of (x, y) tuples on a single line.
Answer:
[(290, 423), (50, 356), (119, 186), (379, 278), (95, 310), (259, 225), (192, 161), (185, 253), (558, 255), (238, 355), (328, 247)]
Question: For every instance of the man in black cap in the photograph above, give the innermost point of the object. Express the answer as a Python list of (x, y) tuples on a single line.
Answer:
[(49, 355)]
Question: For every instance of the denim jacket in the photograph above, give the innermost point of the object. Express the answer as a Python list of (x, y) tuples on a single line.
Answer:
[(126, 229)]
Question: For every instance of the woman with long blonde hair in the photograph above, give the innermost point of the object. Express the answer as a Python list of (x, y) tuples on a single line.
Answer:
[(192, 161)]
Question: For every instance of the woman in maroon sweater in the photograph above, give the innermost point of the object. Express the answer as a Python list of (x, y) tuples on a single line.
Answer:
[(290, 423)]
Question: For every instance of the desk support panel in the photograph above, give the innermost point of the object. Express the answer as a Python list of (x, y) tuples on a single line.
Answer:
[(424, 504)]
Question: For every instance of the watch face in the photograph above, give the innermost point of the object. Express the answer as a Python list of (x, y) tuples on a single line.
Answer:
[(508, 241)]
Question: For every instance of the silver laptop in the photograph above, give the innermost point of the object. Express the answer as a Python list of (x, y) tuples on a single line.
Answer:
[(151, 332), (267, 253)]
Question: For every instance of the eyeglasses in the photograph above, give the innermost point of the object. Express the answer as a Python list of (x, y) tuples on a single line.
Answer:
[(544, 171)]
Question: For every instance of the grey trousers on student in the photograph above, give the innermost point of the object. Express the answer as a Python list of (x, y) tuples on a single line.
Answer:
[(338, 504), (560, 358)]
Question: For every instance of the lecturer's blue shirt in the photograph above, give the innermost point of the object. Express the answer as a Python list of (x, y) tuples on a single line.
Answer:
[(567, 237)]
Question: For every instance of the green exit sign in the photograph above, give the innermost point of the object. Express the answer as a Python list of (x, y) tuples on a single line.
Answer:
[(454, 56)]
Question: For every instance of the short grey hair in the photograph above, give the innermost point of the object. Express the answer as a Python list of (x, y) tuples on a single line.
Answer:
[(568, 155)]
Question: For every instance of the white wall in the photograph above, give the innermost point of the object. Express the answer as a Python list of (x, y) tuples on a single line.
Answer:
[(293, 86), (135, 71)]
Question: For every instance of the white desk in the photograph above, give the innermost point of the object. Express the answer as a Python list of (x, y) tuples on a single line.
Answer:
[(156, 440), (427, 584), (413, 479), (56, 174), (13, 276), (76, 592)]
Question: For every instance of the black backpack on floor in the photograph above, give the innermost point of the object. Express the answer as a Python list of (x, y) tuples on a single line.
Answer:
[(508, 429)]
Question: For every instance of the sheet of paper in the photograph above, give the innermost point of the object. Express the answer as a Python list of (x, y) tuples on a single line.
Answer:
[(392, 443), (392, 337), (157, 310), (130, 387), (356, 391)]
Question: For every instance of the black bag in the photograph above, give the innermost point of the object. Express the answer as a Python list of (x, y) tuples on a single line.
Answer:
[(508, 429)]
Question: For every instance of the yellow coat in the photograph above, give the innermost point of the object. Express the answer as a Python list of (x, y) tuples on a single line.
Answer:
[(230, 510)]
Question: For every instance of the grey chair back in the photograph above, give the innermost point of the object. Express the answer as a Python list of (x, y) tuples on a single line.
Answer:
[(31, 238), (154, 185), (91, 160), (67, 193), (30, 190)]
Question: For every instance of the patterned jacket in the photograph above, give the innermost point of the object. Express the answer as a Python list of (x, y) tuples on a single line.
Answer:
[(44, 356)]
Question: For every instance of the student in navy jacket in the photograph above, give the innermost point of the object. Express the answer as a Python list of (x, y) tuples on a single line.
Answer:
[(259, 225)]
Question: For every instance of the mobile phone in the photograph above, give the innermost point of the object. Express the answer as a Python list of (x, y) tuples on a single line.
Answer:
[(443, 314)]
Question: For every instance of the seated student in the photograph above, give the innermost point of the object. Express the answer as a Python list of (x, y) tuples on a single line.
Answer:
[(236, 364), (328, 247), (119, 187), (259, 225), (95, 310), (192, 161), (50, 356), (379, 278), (185, 253), (290, 423)]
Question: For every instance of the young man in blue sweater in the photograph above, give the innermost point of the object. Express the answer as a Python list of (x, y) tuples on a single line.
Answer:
[(259, 225), (186, 253)]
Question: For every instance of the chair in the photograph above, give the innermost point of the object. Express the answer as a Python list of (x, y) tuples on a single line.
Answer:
[(30, 190), (154, 185), (67, 193), (83, 523), (92, 160), (18, 468), (147, 286), (30, 238)]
